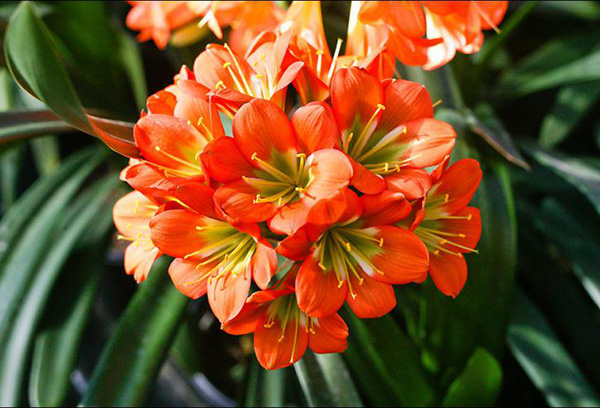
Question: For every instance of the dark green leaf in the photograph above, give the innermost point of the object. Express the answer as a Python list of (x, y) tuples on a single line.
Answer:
[(485, 124), (584, 177), (564, 61), (24, 212), (585, 10), (58, 340), (19, 125), (386, 364), (17, 340), (478, 385), (544, 359), (36, 65), (136, 350), (572, 104), (326, 382), (132, 61)]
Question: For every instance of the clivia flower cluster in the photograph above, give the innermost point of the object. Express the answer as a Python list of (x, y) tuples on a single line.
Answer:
[(307, 207)]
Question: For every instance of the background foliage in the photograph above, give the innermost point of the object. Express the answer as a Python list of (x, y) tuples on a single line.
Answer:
[(74, 329)]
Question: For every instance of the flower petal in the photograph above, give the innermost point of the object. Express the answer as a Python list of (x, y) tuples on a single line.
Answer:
[(373, 299), (330, 335), (227, 295), (224, 162), (246, 320), (315, 127), (199, 197), (355, 96), (405, 101), (190, 278), (264, 264), (170, 142), (139, 259), (455, 188), (318, 291), (413, 183), (449, 273), (237, 201), (427, 141), (277, 348), (365, 180), (174, 232), (385, 208), (261, 127), (296, 247), (404, 257)]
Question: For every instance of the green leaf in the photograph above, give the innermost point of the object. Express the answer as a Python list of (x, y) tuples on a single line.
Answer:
[(129, 53), (46, 153), (564, 61), (136, 350), (22, 213), (16, 343), (265, 388), (34, 62), (544, 359), (58, 339), (478, 317), (581, 175), (37, 66), (20, 125), (485, 124), (478, 385), (579, 243), (26, 252), (585, 10), (326, 382), (386, 364), (572, 104)]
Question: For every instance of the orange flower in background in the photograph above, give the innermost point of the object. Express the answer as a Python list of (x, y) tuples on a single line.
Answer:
[(461, 25), (356, 257), (157, 20), (132, 215), (235, 81), (386, 127), (426, 33), (278, 170), (282, 332), (212, 255), (446, 224), (308, 44)]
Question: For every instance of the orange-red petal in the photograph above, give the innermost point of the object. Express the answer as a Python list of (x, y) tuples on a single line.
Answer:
[(319, 293), (227, 295), (373, 299), (449, 272), (330, 335), (189, 277), (315, 127)]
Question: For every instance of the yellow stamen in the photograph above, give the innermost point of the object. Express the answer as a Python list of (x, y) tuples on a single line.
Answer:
[(336, 54)]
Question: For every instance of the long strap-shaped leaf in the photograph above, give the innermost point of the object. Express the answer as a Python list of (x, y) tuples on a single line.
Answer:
[(326, 382), (18, 125), (386, 364), (545, 360), (16, 347), (58, 340), (27, 253), (139, 345), (37, 66)]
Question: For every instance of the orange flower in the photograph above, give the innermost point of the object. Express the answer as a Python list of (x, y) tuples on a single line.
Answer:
[(386, 127), (282, 332), (248, 19), (234, 80), (426, 33), (132, 215), (461, 25), (308, 44), (277, 170), (157, 20), (356, 257), (212, 255), (447, 225)]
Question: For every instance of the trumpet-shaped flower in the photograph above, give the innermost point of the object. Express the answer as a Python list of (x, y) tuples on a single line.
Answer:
[(282, 332), (132, 215), (158, 20), (386, 127), (308, 44), (357, 257), (447, 225), (212, 255), (276, 169), (426, 33)]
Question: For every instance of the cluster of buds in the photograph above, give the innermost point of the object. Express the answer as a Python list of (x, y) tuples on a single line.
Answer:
[(327, 195)]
